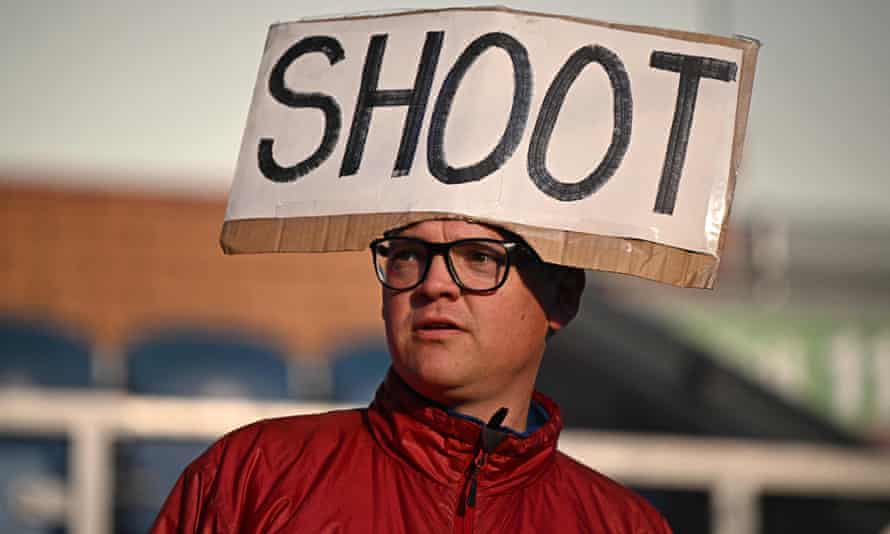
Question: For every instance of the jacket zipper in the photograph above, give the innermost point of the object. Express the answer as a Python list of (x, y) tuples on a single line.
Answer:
[(466, 513), (489, 440)]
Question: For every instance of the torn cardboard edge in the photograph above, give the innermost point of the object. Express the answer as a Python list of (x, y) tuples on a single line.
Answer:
[(641, 258), (746, 87), (652, 261), (732, 42)]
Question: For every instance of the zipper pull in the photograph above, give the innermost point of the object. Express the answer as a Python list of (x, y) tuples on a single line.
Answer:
[(498, 418), (491, 438), (471, 495), (477, 466)]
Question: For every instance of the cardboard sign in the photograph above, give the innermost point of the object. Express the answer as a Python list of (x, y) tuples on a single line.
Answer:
[(605, 146)]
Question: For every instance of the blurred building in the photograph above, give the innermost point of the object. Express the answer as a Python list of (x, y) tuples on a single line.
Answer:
[(114, 265), (772, 354)]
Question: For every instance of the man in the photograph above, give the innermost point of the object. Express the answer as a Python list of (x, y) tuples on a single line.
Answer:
[(456, 439)]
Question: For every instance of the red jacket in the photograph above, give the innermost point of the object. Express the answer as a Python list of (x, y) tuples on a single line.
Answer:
[(400, 466)]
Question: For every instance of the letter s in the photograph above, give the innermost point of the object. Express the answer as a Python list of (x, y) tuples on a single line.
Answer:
[(331, 48)]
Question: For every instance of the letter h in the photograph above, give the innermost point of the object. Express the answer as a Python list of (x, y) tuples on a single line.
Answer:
[(370, 97)]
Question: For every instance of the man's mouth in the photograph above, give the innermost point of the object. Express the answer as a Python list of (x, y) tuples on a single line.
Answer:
[(436, 325)]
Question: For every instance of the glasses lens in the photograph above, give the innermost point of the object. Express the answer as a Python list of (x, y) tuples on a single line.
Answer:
[(400, 262), (480, 265)]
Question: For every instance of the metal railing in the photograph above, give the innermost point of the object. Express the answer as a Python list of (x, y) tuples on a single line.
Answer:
[(735, 472)]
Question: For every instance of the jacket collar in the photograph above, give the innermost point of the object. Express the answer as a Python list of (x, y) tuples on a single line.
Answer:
[(442, 446)]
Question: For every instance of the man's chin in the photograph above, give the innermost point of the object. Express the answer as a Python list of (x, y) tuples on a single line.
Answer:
[(435, 374)]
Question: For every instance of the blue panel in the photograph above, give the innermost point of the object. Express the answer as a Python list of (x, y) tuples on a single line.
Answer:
[(358, 371), (146, 471), (26, 464), (38, 354), (207, 364)]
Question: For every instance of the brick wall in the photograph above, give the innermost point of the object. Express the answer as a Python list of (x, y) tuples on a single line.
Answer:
[(112, 265)]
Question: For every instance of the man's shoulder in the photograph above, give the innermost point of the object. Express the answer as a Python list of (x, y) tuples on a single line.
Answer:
[(264, 462), (284, 436), (335, 422), (606, 495)]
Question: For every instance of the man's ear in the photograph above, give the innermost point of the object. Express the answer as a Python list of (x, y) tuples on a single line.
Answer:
[(570, 284)]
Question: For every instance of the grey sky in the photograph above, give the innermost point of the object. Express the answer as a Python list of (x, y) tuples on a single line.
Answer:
[(156, 94)]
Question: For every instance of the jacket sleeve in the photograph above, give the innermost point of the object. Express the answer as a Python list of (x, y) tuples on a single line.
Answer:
[(206, 498), (651, 521), (662, 526), (186, 509)]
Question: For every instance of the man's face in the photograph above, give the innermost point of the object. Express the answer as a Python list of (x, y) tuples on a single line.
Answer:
[(452, 345)]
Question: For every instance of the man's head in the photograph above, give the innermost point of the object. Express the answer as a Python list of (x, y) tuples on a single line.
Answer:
[(457, 345)]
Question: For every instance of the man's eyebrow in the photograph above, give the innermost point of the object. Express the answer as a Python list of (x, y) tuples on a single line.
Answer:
[(397, 231)]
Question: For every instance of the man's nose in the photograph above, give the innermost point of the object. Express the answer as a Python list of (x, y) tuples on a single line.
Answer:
[(438, 281)]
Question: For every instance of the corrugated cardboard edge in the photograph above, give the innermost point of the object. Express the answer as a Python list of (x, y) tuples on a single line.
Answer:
[(644, 259), (354, 232), (750, 49)]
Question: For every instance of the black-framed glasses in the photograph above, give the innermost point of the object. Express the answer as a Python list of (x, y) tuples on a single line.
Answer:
[(480, 264)]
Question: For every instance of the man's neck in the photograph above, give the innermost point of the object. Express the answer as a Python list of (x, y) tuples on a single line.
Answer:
[(517, 412), (516, 402)]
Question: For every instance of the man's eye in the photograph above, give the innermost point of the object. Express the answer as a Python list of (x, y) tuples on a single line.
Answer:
[(482, 257), (404, 255)]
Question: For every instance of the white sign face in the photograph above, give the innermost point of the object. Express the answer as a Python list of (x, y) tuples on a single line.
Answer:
[(543, 122)]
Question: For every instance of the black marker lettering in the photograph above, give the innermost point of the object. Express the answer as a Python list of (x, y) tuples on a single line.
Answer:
[(691, 69), (522, 92), (553, 101), (370, 97), (331, 48)]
